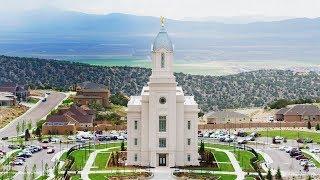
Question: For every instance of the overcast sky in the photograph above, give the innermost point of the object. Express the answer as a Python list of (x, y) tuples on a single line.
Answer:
[(176, 9)]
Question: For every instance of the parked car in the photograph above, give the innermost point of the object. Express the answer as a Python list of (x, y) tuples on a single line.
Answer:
[(242, 134), (11, 146), (45, 141), (242, 141), (301, 157), (295, 153), (250, 138), (200, 135), (315, 150), (17, 163), (4, 138), (50, 151), (44, 100)]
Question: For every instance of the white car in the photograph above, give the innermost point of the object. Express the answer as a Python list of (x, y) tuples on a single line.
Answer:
[(315, 150), (120, 137), (278, 138), (283, 148)]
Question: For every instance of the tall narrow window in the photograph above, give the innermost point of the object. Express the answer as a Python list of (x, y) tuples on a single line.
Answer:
[(135, 157), (189, 141), (135, 124), (135, 141), (189, 125), (162, 142), (162, 60), (189, 157), (162, 123)]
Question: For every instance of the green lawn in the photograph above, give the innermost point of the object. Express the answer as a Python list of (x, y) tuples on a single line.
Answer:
[(76, 177), (192, 175), (8, 175), (219, 146), (105, 146), (63, 156), (101, 161), (107, 175), (292, 134), (316, 163), (81, 156), (42, 177), (243, 158)]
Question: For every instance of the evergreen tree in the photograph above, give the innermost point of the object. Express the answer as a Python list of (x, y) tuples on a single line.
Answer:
[(18, 128), (33, 172), (46, 170), (309, 178), (201, 149), (317, 127), (56, 170), (269, 175), (278, 174), (27, 135), (25, 174), (122, 146), (309, 125)]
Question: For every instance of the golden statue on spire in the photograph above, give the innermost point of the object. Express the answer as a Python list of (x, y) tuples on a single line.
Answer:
[(162, 21)]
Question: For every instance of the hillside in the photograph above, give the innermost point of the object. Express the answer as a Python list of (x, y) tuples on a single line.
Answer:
[(256, 88)]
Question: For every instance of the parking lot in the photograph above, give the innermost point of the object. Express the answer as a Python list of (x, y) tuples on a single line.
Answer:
[(275, 150)]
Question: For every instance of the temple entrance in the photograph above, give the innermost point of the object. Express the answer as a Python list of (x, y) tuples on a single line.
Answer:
[(162, 160)]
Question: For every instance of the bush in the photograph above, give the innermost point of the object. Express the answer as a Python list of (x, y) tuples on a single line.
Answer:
[(317, 127), (119, 99)]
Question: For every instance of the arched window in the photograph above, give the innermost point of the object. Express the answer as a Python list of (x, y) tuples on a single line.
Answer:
[(162, 60)]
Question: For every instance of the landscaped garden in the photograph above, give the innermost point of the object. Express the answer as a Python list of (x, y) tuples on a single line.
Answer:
[(192, 175)]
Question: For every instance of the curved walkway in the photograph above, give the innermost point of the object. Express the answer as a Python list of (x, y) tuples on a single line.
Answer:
[(238, 171)]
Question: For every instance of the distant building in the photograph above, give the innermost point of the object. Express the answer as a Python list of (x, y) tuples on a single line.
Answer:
[(220, 117), (88, 92), (298, 113), (69, 121), (20, 91), (7, 99)]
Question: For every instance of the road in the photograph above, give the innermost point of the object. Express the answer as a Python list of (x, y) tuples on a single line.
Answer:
[(35, 114)]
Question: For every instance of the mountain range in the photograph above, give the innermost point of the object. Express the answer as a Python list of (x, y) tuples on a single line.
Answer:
[(66, 33)]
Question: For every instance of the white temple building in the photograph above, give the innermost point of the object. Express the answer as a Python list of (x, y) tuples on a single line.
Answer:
[(162, 122)]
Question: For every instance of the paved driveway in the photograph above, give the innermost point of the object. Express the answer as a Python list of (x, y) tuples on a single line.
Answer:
[(33, 115)]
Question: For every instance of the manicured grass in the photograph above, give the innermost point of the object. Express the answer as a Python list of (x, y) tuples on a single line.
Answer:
[(223, 161), (76, 177), (316, 163), (101, 161), (220, 156), (105, 146), (63, 156), (42, 177), (108, 175), (192, 175), (292, 134), (81, 156), (220, 146), (243, 158), (8, 175), (32, 100)]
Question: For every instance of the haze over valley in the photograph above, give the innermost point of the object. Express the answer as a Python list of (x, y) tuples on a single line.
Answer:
[(202, 47)]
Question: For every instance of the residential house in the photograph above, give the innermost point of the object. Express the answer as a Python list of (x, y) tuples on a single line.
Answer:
[(88, 92), (20, 91), (7, 99), (69, 121), (299, 113)]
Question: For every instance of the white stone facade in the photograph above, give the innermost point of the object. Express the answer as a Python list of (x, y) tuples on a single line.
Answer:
[(162, 122)]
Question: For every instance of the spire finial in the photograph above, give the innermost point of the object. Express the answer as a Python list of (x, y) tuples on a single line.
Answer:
[(162, 21)]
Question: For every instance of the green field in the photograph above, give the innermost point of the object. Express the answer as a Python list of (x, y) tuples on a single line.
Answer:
[(316, 163), (81, 156), (101, 161), (243, 158), (292, 134)]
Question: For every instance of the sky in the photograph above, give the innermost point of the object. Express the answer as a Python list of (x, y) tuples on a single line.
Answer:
[(174, 9)]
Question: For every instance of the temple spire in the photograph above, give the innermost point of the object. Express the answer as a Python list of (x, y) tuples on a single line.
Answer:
[(162, 19)]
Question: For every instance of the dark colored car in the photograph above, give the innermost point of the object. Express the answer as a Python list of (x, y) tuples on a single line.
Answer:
[(4, 138), (242, 134), (300, 140), (301, 157), (295, 153)]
